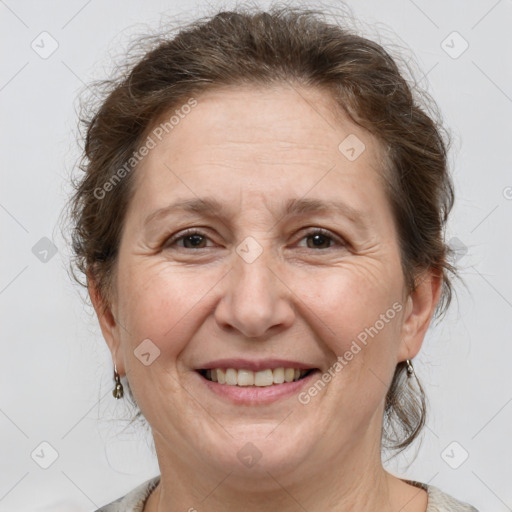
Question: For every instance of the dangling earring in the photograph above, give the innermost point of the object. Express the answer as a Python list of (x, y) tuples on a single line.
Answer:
[(118, 390), (410, 368)]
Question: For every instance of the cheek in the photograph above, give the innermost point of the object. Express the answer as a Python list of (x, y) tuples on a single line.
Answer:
[(356, 311), (162, 303)]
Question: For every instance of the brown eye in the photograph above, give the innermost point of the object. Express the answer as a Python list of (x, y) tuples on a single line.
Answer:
[(191, 240), (322, 239), (319, 241)]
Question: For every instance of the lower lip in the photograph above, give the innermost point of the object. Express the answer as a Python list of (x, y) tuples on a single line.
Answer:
[(254, 395)]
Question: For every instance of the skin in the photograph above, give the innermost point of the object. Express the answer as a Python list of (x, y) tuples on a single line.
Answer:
[(253, 149)]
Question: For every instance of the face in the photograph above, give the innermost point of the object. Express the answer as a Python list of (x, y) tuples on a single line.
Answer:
[(283, 254)]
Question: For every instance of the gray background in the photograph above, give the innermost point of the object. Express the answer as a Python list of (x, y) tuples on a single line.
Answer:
[(56, 376)]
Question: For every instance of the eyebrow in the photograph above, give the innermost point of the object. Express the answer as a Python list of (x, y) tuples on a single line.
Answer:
[(211, 207)]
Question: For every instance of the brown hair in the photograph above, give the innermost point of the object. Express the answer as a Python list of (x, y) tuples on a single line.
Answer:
[(283, 45)]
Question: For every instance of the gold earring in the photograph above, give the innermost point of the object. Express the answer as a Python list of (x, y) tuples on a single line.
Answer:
[(118, 390), (410, 368)]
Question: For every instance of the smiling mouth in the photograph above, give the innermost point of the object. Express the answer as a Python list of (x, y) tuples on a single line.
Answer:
[(248, 378)]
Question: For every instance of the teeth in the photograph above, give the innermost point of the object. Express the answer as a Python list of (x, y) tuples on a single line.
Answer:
[(264, 378), (243, 378), (231, 377), (268, 377), (278, 375)]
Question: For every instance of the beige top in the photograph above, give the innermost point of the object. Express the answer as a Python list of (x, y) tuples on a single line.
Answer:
[(134, 501)]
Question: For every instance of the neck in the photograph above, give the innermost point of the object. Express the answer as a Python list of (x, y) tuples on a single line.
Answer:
[(351, 480)]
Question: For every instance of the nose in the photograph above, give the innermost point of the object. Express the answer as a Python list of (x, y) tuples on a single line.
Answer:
[(256, 300)]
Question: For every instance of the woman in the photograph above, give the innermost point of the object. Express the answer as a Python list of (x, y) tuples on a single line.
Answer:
[(261, 227)]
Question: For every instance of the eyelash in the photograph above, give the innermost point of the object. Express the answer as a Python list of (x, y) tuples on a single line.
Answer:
[(190, 232)]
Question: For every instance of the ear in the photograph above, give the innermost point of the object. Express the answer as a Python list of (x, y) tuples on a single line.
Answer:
[(421, 304), (109, 326)]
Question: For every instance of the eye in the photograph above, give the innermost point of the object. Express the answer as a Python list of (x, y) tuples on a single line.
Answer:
[(321, 239), (192, 239)]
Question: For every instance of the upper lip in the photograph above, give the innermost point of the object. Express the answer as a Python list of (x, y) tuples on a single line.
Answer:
[(254, 365)]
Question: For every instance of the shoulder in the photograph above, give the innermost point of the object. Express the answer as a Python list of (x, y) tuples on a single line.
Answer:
[(438, 501), (134, 500)]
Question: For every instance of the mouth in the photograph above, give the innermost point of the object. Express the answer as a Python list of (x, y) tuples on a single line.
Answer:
[(243, 387), (248, 378)]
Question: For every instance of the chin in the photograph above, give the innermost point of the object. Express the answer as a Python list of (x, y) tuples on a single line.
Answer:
[(257, 451)]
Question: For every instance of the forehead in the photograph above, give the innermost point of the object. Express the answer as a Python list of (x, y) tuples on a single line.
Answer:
[(279, 117), (269, 140)]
